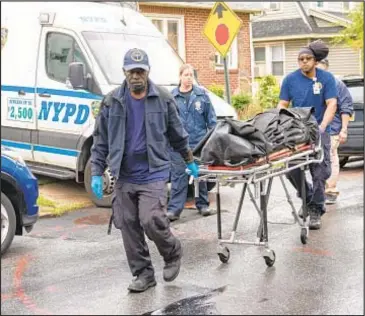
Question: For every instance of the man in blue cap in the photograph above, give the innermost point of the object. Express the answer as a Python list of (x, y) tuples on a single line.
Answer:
[(312, 87), (137, 123)]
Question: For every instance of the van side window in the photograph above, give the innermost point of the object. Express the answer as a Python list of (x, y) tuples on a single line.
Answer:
[(61, 50)]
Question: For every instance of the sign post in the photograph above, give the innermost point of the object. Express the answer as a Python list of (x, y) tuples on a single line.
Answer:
[(221, 28), (226, 81)]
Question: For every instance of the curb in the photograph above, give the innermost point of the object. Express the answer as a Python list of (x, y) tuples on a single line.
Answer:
[(49, 214)]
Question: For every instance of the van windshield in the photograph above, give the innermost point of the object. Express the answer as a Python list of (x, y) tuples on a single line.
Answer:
[(110, 48)]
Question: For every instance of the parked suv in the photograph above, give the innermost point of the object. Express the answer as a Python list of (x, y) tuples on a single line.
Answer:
[(355, 135), (19, 194)]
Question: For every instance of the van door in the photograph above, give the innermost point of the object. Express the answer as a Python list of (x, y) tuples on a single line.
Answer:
[(18, 109), (63, 113)]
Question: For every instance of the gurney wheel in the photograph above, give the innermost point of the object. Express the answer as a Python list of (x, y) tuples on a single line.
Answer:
[(270, 261), (304, 235), (224, 255)]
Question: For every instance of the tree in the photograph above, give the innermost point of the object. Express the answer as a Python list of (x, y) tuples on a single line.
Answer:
[(353, 34)]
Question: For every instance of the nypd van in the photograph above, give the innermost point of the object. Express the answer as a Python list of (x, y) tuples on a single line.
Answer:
[(57, 62)]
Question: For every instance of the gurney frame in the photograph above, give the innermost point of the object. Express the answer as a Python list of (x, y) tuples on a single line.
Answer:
[(261, 177)]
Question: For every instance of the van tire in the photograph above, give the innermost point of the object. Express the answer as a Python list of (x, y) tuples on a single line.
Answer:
[(11, 222), (106, 201)]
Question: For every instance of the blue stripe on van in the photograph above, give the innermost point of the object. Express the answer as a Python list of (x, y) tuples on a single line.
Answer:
[(17, 88), (57, 151), (16, 144), (70, 93), (66, 93), (40, 148)]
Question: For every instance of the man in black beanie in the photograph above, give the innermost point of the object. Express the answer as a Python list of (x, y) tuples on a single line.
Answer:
[(311, 87)]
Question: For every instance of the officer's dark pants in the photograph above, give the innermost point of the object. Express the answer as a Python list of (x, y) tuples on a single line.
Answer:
[(179, 187), (139, 209), (315, 193)]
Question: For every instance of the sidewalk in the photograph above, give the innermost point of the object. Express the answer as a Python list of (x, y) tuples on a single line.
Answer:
[(57, 197)]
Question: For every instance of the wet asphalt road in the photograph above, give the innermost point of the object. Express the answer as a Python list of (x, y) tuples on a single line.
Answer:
[(69, 265)]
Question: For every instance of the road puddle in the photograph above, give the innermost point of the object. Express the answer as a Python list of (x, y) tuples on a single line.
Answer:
[(201, 304)]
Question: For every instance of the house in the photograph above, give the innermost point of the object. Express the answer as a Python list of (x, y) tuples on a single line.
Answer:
[(183, 24), (285, 27)]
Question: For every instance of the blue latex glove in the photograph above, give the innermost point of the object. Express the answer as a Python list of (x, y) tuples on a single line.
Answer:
[(97, 186), (193, 169)]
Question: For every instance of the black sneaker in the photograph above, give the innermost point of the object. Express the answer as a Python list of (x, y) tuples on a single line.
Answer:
[(300, 212), (205, 211), (172, 267), (331, 198), (141, 284), (172, 217), (314, 220)]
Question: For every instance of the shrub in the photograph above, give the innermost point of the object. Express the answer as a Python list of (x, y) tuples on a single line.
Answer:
[(218, 90), (241, 101), (250, 111), (268, 93)]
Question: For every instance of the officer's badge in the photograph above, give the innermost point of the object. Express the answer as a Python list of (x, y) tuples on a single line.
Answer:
[(95, 108), (4, 36), (198, 106)]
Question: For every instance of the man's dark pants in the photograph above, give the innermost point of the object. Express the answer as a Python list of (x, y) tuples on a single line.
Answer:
[(139, 209), (179, 187), (315, 193)]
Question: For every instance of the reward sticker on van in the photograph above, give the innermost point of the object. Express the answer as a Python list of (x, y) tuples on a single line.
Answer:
[(20, 110), (352, 117)]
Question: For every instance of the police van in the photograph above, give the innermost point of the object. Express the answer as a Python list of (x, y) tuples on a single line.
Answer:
[(57, 62)]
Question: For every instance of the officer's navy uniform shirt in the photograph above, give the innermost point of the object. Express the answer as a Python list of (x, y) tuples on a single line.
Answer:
[(298, 89), (135, 167)]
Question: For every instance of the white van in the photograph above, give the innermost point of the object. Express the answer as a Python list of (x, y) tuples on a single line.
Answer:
[(46, 114)]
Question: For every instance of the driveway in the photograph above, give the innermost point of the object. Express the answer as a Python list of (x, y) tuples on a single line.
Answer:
[(69, 265)]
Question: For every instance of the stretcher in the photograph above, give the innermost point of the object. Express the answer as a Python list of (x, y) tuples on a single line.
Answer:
[(260, 175)]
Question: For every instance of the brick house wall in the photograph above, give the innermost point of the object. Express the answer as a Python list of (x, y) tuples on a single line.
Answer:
[(200, 53)]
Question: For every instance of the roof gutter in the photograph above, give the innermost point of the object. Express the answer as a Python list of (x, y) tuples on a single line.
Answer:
[(329, 17), (303, 15), (292, 37), (192, 5)]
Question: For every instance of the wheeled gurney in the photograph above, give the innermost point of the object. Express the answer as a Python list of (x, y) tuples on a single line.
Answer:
[(261, 174)]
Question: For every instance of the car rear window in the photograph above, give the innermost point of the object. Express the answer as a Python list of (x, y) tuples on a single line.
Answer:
[(357, 94)]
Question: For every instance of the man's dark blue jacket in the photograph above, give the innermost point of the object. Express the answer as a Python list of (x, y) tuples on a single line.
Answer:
[(163, 128), (344, 106)]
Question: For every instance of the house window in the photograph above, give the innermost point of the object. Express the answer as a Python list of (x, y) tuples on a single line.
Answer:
[(269, 60), (346, 6), (277, 60), (318, 4), (232, 57), (260, 61), (274, 6), (173, 30)]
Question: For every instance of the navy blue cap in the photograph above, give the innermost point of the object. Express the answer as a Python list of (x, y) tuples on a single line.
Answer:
[(325, 61), (136, 58)]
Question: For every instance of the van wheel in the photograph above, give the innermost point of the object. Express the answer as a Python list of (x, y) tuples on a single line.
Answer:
[(343, 161), (8, 223), (108, 187)]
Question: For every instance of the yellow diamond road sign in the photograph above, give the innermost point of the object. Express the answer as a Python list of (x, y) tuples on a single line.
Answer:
[(222, 27)]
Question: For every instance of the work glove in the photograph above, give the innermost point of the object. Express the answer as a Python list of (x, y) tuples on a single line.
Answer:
[(192, 169), (97, 186)]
